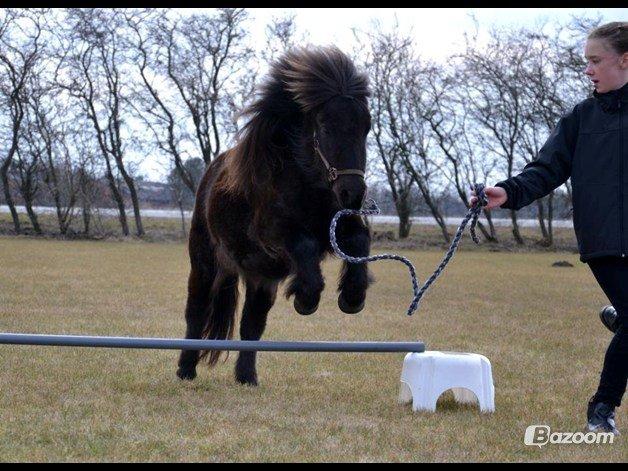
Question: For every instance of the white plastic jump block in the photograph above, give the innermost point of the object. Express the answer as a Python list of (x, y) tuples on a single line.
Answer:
[(425, 376)]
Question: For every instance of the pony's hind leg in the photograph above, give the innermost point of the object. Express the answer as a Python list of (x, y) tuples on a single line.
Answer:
[(260, 297), (196, 315), (210, 314)]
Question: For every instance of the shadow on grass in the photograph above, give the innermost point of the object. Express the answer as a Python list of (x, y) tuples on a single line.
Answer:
[(447, 404)]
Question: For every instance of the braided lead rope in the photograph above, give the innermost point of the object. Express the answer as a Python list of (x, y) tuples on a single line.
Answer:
[(473, 214)]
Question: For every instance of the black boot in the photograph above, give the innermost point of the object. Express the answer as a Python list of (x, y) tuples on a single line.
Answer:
[(608, 316), (601, 417)]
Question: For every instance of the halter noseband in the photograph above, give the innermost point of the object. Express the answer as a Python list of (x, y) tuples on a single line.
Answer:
[(334, 173)]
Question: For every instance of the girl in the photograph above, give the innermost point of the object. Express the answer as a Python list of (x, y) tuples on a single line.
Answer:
[(590, 145)]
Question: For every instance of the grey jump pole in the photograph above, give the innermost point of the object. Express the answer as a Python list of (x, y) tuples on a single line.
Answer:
[(189, 344)]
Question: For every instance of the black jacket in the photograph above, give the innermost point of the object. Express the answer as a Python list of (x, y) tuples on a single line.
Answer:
[(590, 145)]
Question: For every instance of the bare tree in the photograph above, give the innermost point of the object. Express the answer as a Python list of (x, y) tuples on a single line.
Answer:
[(422, 162), (203, 57), (86, 180), (281, 35), (448, 117), (540, 82), (382, 64), (27, 167), (95, 74), (177, 189), (399, 132), (491, 76), (156, 110), (48, 137), (20, 54)]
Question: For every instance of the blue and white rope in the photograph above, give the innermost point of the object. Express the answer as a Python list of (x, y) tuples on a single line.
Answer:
[(473, 214)]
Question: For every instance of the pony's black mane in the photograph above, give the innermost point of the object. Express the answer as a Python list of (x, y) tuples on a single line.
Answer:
[(298, 83)]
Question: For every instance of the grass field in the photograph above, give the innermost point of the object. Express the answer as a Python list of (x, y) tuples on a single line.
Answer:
[(170, 230), (537, 324)]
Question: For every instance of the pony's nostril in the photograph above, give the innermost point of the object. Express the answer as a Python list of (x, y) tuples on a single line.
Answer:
[(344, 196), (350, 200)]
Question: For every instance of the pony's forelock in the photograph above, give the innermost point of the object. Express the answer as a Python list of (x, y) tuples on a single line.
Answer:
[(315, 75)]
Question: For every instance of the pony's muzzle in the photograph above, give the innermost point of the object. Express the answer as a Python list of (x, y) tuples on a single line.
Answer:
[(350, 191)]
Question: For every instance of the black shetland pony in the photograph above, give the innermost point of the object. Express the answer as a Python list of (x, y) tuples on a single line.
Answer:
[(263, 207)]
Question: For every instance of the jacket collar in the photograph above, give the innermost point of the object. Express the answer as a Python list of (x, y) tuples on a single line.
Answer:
[(610, 101)]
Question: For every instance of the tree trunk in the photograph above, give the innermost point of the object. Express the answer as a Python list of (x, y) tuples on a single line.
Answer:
[(486, 235), (63, 217), (7, 192), (443, 228), (568, 188), (28, 202), (493, 233), (63, 224), (433, 208), (87, 215), (515, 227), (550, 218), (541, 217), (402, 204), (66, 217), (404, 225), (118, 199), (134, 200), (57, 200), (136, 208), (84, 192), (438, 217), (183, 229)]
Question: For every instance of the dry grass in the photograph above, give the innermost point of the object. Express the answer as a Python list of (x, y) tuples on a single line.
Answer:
[(537, 324), (385, 235)]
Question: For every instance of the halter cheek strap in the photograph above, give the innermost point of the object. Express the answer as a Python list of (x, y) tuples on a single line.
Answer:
[(334, 173)]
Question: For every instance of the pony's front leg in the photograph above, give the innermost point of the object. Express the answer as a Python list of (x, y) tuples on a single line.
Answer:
[(308, 282), (353, 239)]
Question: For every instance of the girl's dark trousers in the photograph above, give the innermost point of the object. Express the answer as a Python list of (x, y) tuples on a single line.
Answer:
[(612, 275)]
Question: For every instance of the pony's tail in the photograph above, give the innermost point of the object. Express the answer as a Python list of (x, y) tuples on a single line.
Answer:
[(221, 319)]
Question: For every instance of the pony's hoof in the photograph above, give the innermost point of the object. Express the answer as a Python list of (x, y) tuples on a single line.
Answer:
[(304, 310), (186, 374), (347, 308), (247, 380)]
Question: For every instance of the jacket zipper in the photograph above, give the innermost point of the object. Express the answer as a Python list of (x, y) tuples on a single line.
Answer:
[(621, 185)]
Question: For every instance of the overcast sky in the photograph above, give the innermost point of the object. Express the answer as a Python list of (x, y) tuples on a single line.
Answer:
[(438, 31)]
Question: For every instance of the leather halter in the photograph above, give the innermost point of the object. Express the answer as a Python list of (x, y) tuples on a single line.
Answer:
[(334, 173)]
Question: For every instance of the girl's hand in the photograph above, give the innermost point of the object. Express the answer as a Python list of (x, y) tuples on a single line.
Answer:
[(496, 196)]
